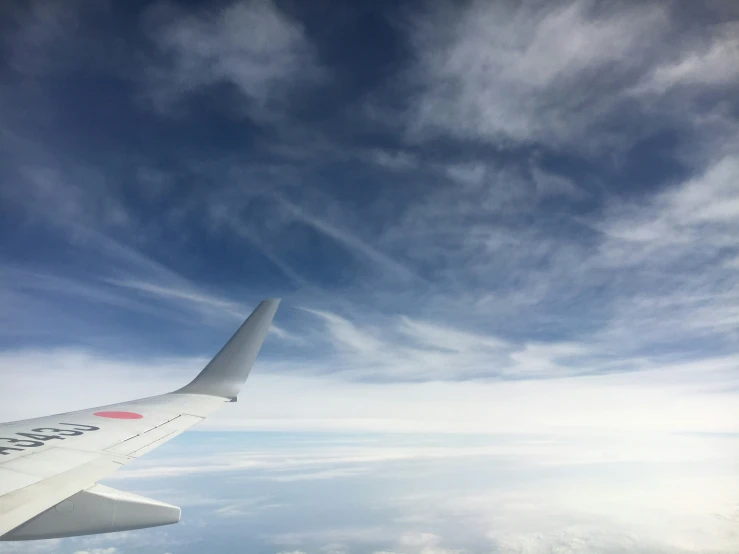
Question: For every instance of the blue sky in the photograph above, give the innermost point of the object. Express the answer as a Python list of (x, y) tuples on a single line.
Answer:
[(493, 225)]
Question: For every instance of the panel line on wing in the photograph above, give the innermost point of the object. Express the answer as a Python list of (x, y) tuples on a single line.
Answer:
[(160, 433)]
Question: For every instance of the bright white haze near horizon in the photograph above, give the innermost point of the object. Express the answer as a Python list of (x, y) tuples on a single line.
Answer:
[(506, 235)]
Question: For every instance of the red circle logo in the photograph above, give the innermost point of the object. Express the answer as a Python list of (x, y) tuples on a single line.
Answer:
[(119, 415)]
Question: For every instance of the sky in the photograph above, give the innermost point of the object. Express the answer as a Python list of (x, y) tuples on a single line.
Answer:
[(506, 235)]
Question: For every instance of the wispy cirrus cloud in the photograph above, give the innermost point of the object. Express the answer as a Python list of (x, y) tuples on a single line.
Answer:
[(531, 72), (408, 349), (707, 60), (34, 30), (674, 233), (575, 76), (254, 47)]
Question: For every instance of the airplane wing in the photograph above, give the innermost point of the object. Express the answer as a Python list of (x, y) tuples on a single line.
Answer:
[(49, 466)]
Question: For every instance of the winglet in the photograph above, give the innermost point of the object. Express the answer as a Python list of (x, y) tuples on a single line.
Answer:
[(226, 373)]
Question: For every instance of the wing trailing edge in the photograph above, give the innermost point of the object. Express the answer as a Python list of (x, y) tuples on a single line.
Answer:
[(99, 509)]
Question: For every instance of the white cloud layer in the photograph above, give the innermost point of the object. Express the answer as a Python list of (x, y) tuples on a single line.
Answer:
[(431, 494), (684, 397)]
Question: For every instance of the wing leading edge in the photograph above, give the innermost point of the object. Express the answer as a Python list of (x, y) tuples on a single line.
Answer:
[(49, 466), (226, 373)]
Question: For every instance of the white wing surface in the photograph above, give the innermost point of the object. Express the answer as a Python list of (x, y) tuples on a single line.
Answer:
[(49, 466)]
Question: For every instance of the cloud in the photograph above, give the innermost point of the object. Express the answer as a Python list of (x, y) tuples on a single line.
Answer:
[(419, 539), (27, 547), (489, 251), (352, 243), (406, 349), (705, 204), (682, 235), (635, 262), (578, 514), (505, 493), (86, 212), (76, 197), (355, 534), (162, 295), (210, 47), (705, 61), (572, 76), (296, 394), (239, 508), (579, 540), (319, 475), (412, 542), (210, 305), (394, 160), (353, 464), (115, 379), (527, 497), (531, 72), (41, 36)]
